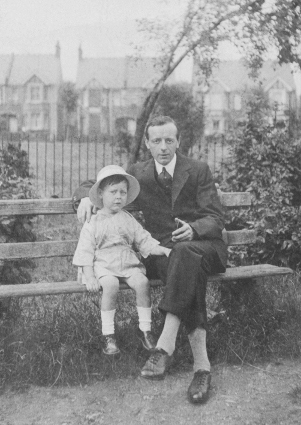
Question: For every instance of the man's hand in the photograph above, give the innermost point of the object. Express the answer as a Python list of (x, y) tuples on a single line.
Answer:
[(184, 232), (85, 210)]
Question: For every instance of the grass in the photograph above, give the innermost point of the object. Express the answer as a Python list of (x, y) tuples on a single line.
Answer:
[(56, 340)]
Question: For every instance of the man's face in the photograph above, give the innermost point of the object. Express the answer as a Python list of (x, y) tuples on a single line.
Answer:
[(162, 142)]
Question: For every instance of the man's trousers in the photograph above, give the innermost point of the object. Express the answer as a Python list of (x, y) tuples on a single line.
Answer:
[(185, 274)]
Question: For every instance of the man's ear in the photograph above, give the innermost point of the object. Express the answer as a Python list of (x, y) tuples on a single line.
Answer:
[(146, 142)]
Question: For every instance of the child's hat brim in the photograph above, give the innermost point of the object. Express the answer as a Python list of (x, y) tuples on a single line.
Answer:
[(111, 170)]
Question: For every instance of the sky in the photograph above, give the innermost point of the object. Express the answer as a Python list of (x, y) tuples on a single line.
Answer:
[(104, 28)]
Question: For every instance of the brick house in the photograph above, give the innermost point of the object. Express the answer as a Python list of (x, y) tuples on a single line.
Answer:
[(29, 94), (224, 95), (111, 93)]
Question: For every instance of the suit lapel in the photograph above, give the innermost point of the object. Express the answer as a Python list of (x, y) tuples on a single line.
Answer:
[(180, 176), (149, 174)]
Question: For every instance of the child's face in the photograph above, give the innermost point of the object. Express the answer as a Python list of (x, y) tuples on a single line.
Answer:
[(114, 197)]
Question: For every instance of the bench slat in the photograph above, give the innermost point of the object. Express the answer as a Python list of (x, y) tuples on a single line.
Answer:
[(240, 237), (69, 287), (47, 249), (64, 205), (235, 199), (36, 206)]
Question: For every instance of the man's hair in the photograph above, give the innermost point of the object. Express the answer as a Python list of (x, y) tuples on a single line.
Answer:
[(114, 179), (160, 120)]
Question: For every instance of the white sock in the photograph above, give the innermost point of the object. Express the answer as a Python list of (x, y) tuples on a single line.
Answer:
[(145, 318), (167, 340), (197, 339), (107, 322)]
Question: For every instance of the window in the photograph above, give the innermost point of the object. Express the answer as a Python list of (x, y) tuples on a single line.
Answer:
[(94, 125), (277, 97), (215, 125), (35, 93), (45, 93), (46, 121), (94, 97), (35, 122), (25, 122), (237, 102)]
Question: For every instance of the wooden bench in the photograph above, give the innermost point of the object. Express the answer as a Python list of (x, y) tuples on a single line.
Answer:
[(32, 250)]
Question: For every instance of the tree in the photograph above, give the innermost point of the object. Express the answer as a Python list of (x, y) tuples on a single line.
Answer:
[(69, 96), (254, 26)]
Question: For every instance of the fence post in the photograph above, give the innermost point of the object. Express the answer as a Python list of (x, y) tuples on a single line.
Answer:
[(79, 160), (53, 164), (71, 154), (62, 142), (46, 142)]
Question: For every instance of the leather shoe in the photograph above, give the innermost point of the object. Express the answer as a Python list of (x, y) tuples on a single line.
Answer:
[(110, 347), (148, 340), (157, 365), (198, 391)]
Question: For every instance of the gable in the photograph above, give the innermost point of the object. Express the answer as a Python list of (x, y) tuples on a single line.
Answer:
[(34, 80), (278, 84)]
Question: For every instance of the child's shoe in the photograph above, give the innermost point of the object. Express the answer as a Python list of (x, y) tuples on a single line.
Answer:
[(110, 346), (148, 340)]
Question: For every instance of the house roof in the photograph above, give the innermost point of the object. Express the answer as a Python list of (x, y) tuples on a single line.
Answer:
[(45, 67), (235, 75), (5, 61), (116, 73)]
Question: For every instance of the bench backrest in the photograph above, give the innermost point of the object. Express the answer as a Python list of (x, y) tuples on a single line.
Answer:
[(14, 251)]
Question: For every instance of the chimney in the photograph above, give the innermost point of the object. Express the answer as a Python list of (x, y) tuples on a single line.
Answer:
[(58, 50), (80, 53)]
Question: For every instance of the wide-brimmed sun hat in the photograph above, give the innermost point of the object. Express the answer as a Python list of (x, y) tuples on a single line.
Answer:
[(111, 170)]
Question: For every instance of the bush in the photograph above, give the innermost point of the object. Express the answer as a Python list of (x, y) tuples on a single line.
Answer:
[(266, 163), (15, 184)]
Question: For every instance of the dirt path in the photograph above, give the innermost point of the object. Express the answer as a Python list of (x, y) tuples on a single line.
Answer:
[(239, 396)]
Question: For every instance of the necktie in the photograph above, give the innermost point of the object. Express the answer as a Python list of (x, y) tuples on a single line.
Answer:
[(165, 179)]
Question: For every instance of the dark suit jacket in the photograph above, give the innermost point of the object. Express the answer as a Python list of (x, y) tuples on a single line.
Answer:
[(194, 200)]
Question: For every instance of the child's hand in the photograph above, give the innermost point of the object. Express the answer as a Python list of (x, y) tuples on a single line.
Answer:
[(92, 285)]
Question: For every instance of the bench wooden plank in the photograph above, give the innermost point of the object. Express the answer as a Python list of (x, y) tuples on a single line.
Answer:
[(64, 205), (36, 207), (235, 199), (47, 249), (69, 287)]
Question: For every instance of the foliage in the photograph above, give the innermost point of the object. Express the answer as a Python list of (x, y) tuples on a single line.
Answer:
[(69, 96), (266, 163), (124, 141), (177, 102), (15, 184), (254, 26)]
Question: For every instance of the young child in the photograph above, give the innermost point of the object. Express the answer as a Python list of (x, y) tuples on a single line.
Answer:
[(105, 252)]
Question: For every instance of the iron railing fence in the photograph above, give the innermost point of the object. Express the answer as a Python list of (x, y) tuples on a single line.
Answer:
[(58, 167)]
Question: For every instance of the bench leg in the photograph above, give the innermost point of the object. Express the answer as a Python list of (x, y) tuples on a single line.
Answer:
[(237, 294)]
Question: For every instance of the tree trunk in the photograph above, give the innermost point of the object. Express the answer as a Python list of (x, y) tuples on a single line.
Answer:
[(143, 118)]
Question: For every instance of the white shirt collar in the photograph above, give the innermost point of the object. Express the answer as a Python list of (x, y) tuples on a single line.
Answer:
[(170, 167)]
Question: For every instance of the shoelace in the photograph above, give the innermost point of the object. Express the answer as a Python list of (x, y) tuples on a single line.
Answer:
[(155, 357), (201, 378)]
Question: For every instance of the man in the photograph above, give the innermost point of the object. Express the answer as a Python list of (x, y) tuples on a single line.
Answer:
[(182, 210)]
